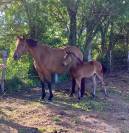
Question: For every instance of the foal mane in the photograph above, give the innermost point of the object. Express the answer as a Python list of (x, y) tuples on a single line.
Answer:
[(31, 42)]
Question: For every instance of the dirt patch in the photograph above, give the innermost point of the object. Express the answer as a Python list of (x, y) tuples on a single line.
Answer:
[(24, 113)]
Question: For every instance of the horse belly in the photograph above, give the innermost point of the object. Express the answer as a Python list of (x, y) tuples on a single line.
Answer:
[(56, 68)]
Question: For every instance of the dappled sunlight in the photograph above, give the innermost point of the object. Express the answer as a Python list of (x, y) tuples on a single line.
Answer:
[(25, 112)]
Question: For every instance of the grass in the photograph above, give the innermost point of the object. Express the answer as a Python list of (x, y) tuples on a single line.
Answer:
[(86, 104), (42, 130), (114, 90), (47, 130), (89, 105), (76, 120), (126, 98), (85, 131), (56, 119)]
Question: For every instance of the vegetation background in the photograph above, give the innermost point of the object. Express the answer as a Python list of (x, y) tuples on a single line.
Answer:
[(97, 27)]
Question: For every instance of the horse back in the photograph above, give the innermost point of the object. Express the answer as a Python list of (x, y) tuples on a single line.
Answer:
[(51, 58), (97, 65)]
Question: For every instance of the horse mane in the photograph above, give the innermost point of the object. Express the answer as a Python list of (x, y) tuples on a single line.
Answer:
[(31, 42)]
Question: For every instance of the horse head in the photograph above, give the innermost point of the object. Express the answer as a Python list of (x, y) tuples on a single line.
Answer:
[(22, 45)]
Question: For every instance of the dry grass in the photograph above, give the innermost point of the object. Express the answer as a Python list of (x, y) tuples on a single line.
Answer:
[(24, 113)]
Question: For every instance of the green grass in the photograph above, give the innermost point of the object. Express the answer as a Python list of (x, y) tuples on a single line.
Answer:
[(56, 119), (114, 90), (85, 131), (89, 105), (42, 130), (47, 130)]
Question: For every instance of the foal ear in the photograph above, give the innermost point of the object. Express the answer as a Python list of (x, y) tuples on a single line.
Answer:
[(68, 50)]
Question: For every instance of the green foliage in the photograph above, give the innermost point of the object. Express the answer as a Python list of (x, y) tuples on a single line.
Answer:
[(119, 58), (49, 22)]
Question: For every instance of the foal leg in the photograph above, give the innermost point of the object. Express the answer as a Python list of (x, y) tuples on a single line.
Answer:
[(43, 90), (100, 76), (94, 85), (78, 82), (50, 91)]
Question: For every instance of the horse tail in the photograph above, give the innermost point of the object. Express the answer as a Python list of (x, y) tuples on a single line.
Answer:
[(104, 69)]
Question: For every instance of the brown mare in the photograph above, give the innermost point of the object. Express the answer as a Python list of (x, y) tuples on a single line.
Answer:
[(82, 69), (46, 60)]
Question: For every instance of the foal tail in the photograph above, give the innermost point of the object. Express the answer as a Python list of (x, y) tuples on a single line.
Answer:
[(104, 69)]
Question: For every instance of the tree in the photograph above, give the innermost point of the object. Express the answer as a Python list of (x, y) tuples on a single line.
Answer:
[(72, 7)]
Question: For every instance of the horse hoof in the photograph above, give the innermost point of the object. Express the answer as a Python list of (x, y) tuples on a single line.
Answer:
[(106, 95), (71, 95), (41, 99), (50, 98), (82, 96), (93, 96), (78, 100)]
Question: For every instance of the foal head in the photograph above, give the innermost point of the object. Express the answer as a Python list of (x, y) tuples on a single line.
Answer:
[(67, 59), (70, 59), (22, 46)]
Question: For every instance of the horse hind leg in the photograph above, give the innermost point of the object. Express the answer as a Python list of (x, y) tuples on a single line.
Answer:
[(43, 90), (50, 91)]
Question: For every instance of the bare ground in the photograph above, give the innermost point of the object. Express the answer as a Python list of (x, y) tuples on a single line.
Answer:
[(24, 113)]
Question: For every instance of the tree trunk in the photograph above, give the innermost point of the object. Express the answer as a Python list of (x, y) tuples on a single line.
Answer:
[(103, 41), (88, 51), (88, 43), (72, 7), (72, 34)]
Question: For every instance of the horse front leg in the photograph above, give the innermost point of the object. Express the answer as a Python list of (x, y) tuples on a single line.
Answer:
[(41, 75)]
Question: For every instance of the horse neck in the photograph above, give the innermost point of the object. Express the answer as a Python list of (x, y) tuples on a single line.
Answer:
[(35, 52)]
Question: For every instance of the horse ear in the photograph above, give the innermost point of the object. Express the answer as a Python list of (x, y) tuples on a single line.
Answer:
[(17, 37), (23, 37), (20, 37), (31, 42)]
